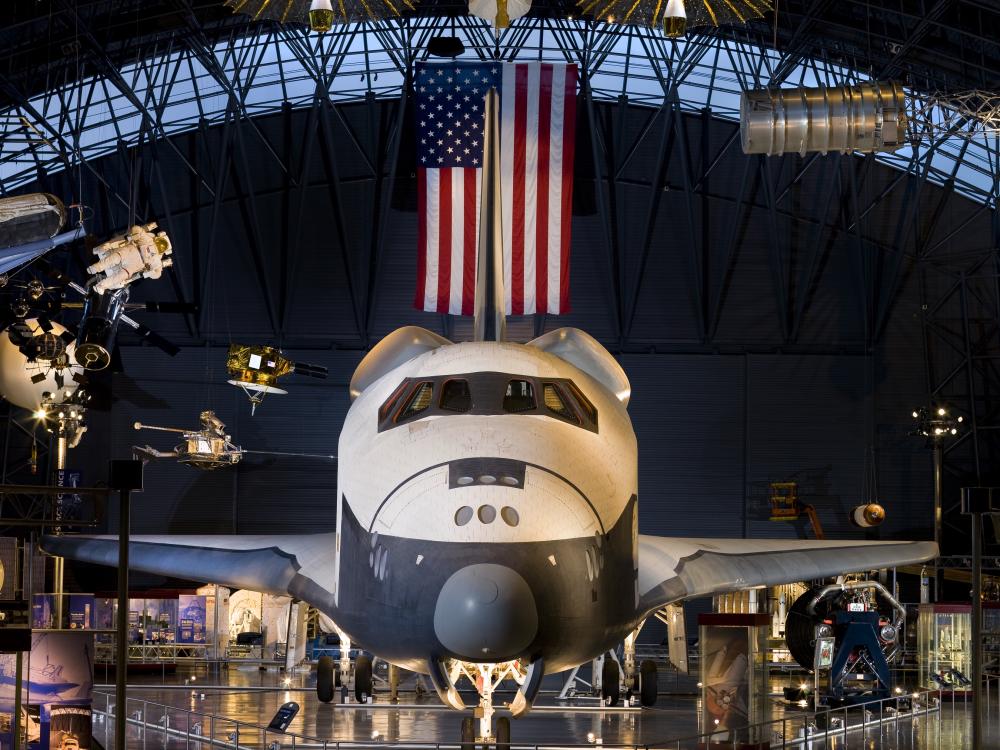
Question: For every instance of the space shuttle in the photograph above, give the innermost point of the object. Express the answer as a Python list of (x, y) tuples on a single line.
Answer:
[(487, 509)]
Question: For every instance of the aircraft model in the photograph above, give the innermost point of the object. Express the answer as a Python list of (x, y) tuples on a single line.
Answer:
[(487, 513)]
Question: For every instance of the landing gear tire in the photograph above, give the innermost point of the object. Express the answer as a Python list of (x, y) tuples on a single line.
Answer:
[(362, 678), (647, 683), (503, 733), (325, 679), (468, 733), (610, 686)]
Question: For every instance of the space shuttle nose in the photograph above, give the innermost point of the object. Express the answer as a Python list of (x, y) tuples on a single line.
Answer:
[(486, 611)]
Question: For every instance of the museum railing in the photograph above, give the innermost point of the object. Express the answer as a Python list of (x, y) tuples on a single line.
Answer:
[(163, 725), (844, 724)]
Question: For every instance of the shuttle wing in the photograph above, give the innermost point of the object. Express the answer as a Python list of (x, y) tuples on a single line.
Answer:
[(674, 568), (299, 565)]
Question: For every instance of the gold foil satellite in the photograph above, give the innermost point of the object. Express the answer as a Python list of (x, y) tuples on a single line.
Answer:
[(319, 15), (675, 17)]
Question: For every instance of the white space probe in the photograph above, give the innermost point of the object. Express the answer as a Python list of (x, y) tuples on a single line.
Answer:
[(487, 514)]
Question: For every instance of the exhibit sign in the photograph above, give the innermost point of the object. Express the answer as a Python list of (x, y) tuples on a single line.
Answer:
[(81, 611), (43, 611), (823, 658), (57, 677), (733, 674), (191, 620)]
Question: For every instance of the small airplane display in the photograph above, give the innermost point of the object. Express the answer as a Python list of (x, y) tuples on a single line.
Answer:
[(207, 448)]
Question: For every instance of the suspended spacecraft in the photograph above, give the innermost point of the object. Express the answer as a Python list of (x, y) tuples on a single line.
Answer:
[(29, 228), (256, 368), (37, 365), (208, 448)]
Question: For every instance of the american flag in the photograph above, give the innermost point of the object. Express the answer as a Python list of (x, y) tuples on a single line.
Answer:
[(537, 133)]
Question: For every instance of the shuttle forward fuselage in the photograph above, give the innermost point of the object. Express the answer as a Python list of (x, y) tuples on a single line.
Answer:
[(487, 505)]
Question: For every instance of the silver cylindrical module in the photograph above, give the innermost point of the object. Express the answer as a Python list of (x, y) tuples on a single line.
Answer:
[(868, 117)]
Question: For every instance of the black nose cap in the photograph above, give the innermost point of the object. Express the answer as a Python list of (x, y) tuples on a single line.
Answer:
[(486, 612)]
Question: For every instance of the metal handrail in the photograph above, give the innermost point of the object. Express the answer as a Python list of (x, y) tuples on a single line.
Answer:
[(874, 713)]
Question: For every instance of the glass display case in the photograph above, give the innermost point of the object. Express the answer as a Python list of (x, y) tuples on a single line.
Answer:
[(944, 646)]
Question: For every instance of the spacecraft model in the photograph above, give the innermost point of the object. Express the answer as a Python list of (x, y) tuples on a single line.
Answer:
[(256, 369), (207, 448)]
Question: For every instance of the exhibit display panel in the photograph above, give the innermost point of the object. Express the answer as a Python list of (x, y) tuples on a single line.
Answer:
[(733, 649)]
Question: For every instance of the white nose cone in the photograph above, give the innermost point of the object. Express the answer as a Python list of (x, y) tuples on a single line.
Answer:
[(487, 9)]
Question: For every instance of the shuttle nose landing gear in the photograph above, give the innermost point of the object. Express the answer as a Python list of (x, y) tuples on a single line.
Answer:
[(486, 678)]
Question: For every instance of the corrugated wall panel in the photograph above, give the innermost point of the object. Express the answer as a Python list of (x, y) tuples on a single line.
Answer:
[(688, 416)]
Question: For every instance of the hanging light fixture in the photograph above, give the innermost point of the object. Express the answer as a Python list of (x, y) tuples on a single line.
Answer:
[(320, 16), (675, 19)]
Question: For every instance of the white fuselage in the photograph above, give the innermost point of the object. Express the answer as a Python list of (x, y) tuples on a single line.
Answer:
[(539, 532)]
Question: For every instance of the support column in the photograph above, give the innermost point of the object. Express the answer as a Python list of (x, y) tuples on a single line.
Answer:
[(978, 502), (125, 476)]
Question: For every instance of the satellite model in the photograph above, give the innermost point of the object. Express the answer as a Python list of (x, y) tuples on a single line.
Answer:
[(256, 369), (208, 448)]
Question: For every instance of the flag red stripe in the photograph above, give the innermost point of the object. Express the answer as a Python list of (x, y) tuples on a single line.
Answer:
[(569, 142), (444, 240), (418, 300), (469, 246), (542, 192), (517, 220)]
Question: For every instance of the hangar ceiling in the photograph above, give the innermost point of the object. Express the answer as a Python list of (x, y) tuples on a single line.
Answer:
[(281, 166)]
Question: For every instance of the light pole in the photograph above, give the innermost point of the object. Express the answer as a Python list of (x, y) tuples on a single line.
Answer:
[(937, 426)]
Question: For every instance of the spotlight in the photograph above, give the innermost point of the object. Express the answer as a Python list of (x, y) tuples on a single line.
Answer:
[(942, 411), (899, 691), (320, 16), (803, 703), (675, 19), (40, 414)]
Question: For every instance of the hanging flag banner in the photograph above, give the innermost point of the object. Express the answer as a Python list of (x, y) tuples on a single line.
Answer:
[(537, 134)]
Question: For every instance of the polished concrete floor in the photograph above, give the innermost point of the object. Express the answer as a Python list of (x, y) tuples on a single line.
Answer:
[(232, 706)]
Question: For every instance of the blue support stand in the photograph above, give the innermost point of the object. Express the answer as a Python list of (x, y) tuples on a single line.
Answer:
[(859, 671)]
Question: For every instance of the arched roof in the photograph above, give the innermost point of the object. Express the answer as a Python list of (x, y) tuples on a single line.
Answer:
[(123, 75)]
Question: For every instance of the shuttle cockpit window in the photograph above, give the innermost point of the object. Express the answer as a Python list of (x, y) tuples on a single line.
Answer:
[(587, 409), (418, 402), (393, 401), (556, 404), (487, 394), (520, 397), (456, 396)]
